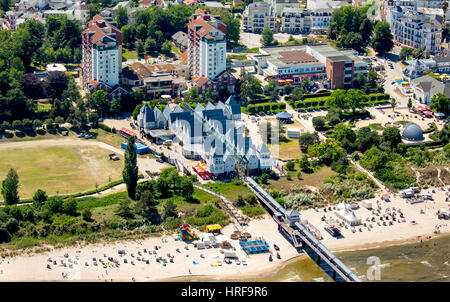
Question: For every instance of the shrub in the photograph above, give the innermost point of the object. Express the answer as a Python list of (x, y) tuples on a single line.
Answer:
[(104, 127)]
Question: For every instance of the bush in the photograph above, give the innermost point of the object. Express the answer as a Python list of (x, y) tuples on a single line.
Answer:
[(104, 127), (290, 165)]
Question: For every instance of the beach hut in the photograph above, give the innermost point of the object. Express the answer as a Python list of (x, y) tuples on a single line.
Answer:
[(367, 204), (213, 228), (407, 193), (443, 213), (293, 132)]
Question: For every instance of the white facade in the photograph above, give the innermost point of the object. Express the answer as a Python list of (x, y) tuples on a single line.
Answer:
[(258, 16), (298, 20), (105, 64), (213, 56)]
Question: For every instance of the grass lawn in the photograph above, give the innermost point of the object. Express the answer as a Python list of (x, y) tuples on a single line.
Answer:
[(376, 126), (175, 49), (289, 148), (60, 170), (128, 55), (315, 179), (112, 139), (229, 189)]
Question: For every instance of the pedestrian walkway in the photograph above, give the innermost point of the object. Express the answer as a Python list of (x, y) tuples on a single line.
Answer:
[(241, 220)]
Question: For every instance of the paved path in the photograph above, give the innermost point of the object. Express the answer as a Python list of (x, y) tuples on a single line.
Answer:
[(370, 174), (236, 213)]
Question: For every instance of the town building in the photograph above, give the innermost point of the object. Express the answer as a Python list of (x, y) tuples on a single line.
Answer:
[(279, 5), (181, 41), (207, 49), (218, 149), (101, 61), (317, 4), (334, 68), (155, 80), (257, 16), (415, 29), (301, 21), (426, 87), (207, 45)]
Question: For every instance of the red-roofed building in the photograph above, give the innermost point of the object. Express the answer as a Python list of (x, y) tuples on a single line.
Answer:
[(207, 45), (207, 50), (101, 55)]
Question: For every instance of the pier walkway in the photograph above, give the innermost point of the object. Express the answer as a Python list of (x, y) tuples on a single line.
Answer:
[(300, 236)]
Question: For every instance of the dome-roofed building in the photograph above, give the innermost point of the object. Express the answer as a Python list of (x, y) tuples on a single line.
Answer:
[(413, 132)]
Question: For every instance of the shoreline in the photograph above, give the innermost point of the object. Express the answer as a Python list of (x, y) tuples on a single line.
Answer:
[(79, 262)]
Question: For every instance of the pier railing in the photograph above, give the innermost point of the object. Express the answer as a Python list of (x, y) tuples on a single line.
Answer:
[(308, 240)]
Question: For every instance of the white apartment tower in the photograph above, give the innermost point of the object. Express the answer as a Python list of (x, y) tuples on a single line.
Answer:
[(207, 48)]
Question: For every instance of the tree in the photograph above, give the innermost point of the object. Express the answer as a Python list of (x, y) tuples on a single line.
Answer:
[(333, 116), (87, 215), (304, 163), (99, 102), (146, 206), (372, 78), (124, 209), (169, 209), (272, 90), (297, 94), (307, 139), (290, 166), (318, 122), (440, 103), (288, 88), (31, 86), (393, 103), (69, 206), (130, 171), (382, 40), (140, 49), (337, 99), (354, 98), (391, 137), (267, 37), (56, 84), (366, 138), (128, 36), (121, 17), (186, 188), (150, 46), (115, 107), (361, 79), (250, 87), (166, 48), (409, 104), (10, 187), (40, 196), (405, 53)]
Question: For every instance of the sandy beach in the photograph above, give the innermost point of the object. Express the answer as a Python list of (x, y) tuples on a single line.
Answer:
[(79, 262)]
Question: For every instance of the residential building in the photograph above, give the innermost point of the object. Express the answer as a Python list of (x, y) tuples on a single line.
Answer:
[(335, 68), (316, 4), (426, 87), (101, 54), (413, 28), (207, 45), (416, 68), (257, 16), (181, 41), (442, 64), (155, 80), (279, 5), (298, 20)]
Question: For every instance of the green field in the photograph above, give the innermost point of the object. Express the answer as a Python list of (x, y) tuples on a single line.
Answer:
[(60, 170), (314, 179), (229, 189), (128, 55)]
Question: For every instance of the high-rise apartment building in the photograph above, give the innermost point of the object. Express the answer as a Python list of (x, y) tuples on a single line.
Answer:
[(101, 54), (207, 48), (258, 16)]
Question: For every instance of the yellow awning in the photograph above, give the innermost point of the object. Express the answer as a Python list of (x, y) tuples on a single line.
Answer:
[(213, 227), (405, 83), (399, 78)]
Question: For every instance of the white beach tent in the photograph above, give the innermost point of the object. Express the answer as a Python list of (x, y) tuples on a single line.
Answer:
[(344, 212), (367, 204)]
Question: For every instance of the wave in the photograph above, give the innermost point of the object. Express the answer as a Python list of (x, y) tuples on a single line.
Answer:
[(424, 262)]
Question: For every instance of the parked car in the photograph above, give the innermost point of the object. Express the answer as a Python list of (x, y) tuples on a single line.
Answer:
[(80, 135)]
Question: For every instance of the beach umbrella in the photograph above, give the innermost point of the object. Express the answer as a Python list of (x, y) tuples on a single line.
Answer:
[(399, 78)]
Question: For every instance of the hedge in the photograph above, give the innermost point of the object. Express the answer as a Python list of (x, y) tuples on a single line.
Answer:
[(106, 128), (264, 107)]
